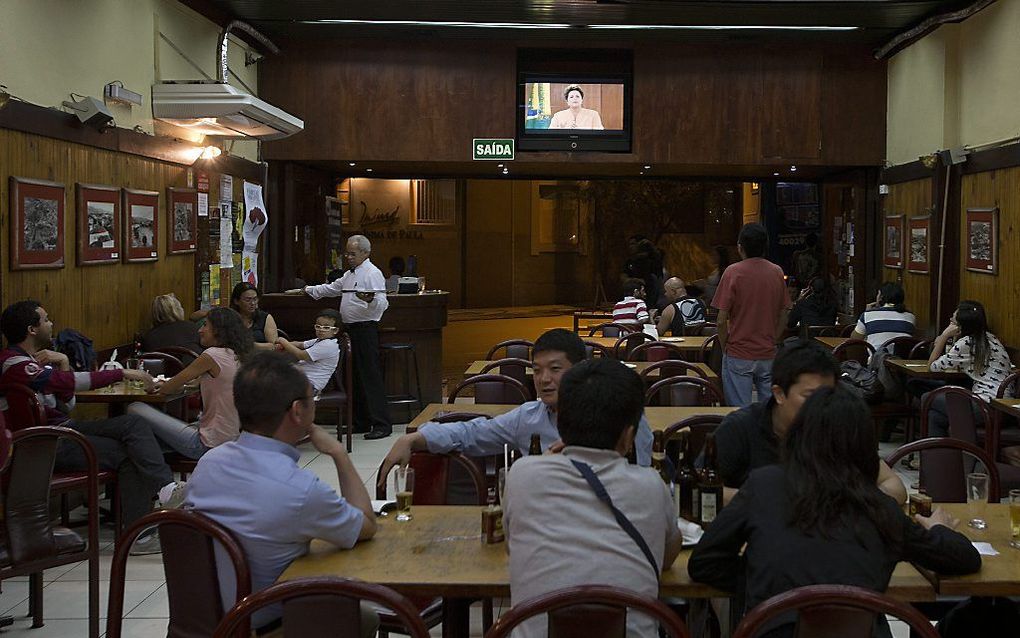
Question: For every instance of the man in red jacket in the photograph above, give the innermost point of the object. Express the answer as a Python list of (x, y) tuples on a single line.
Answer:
[(124, 443)]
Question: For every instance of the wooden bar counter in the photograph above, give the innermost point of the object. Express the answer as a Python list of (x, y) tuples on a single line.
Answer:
[(415, 319)]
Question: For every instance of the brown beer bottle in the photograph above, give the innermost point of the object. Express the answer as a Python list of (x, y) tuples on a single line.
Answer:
[(536, 445), (686, 481), (710, 487), (659, 458)]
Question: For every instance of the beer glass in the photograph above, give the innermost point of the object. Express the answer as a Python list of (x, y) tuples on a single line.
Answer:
[(403, 487), (134, 363), (977, 498), (1014, 519)]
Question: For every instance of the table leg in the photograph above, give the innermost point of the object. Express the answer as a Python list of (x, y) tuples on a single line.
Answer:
[(456, 617)]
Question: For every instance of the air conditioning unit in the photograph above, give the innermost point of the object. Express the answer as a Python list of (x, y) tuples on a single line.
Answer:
[(217, 108)]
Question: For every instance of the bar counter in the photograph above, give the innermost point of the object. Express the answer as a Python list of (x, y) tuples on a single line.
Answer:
[(415, 319)]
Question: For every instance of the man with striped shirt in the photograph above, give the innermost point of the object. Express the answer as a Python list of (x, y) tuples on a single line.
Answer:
[(886, 318), (631, 310)]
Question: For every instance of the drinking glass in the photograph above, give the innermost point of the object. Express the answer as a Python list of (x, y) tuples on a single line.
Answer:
[(403, 486), (1014, 519), (421, 285), (134, 363), (977, 498)]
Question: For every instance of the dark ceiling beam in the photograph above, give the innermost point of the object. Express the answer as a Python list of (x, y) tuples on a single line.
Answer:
[(907, 38), (221, 18)]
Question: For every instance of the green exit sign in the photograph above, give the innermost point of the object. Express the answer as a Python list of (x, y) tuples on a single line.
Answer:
[(492, 149)]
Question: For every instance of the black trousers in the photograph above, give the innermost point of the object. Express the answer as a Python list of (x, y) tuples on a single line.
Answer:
[(370, 411)]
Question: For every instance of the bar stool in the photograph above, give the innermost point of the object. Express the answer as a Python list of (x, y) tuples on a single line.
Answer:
[(409, 356)]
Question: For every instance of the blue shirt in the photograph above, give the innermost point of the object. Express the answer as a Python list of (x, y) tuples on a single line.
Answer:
[(254, 487), (486, 436)]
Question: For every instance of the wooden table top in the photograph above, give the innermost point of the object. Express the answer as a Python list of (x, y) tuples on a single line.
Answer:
[(999, 575), (831, 342), (918, 368), (692, 344), (659, 418), (439, 553), (1009, 406), (120, 393), (638, 366)]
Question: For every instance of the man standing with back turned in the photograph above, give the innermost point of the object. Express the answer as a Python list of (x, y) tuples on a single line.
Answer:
[(362, 292), (753, 306)]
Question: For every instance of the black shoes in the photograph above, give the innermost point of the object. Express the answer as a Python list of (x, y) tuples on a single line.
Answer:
[(377, 434)]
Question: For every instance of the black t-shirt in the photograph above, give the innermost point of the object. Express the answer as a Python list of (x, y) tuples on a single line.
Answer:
[(176, 333), (745, 441)]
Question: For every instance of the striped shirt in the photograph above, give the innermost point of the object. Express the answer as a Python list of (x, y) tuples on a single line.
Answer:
[(630, 310), (960, 357), (882, 324)]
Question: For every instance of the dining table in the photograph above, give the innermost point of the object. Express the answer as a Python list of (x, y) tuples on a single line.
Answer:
[(119, 395), (637, 366), (690, 346)]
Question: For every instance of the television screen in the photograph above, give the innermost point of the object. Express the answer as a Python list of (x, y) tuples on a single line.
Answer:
[(573, 112)]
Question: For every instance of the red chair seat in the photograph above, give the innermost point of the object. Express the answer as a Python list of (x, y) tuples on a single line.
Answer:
[(65, 541)]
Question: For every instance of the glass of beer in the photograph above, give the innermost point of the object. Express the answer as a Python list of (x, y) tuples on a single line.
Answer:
[(977, 498), (1014, 519), (134, 364), (403, 487)]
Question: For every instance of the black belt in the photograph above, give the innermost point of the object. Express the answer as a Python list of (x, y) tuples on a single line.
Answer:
[(359, 324)]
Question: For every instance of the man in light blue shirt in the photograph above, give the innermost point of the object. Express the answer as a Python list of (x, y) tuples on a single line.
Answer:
[(254, 487), (555, 352)]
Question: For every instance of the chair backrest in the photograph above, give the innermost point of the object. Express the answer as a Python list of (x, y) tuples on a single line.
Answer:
[(627, 342), (343, 375), (1009, 388), (833, 611), (589, 610), (943, 474), (185, 355), (592, 349), (439, 480), (703, 330), (511, 367), (821, 331), (921, 350), (672, 368), (280, 332), (900, 346), (711, 353), (610, 329), (23, 408), (515, 349), (684, 391), (857, 350), (323, 607), (189, 563), (655, 351), (157, 363), (847, 330), (26, 492), (698, 427), (493, 388), (960, 406)]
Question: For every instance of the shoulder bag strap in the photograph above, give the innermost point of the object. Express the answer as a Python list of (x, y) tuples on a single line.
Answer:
[(621, 518)]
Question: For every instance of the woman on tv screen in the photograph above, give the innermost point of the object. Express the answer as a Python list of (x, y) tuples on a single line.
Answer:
[(576, 116)]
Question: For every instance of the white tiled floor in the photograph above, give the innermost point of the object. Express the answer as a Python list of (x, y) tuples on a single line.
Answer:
[(146, 608)]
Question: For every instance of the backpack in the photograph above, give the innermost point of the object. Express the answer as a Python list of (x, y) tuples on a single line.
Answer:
[(862, 381), (78, 349)]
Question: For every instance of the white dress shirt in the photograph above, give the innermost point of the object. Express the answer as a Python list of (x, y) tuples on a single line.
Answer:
[(365, 277)]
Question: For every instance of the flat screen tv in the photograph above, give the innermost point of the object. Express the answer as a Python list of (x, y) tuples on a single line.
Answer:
[(585, 109)]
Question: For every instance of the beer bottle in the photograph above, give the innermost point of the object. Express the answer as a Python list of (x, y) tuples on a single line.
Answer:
[(492, 521), (686, 480), (659, 458), (536, 445), (710, 487)]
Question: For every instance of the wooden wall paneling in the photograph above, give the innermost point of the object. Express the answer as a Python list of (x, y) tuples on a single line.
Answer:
[(999, 293), (791, 106), (911, 199), (853, 108)]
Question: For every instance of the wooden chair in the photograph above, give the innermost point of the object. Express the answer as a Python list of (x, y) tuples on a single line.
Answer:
[(848, 330), (515, 349), (157, 363), (857, 350), (684, 391), (189, 562), (697, 426), (922, 350), (671, 368), (824, 611), (185, 355), (1010, 387), (706, 329), (611, 329), (943, 473), (589, 610), (900, 346), (513, 368), (712, 353), (655, 351), (592, 349), (339, 393), (323, 608), (30, 543), (436, 480), (493, 388), (627, 342), (820, 331)]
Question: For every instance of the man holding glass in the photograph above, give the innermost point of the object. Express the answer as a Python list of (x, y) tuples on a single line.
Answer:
[(362, 292)]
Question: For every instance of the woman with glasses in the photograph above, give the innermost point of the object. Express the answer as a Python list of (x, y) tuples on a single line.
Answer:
[(244, 298)]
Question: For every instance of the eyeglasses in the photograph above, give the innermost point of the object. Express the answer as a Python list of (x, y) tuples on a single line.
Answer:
[(321, 327)]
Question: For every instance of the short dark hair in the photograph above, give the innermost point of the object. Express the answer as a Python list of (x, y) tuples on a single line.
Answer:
[(329, 313), (18, 318), (632, 285), (753, 238), (265, 386), (802, 356), (561, 340), (892, 294), (598, 400), (572, 87), (240, 288)]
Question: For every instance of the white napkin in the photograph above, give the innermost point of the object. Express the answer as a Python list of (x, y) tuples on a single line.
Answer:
[(378, 505), (112, 365), (985, 549), (691, 532)]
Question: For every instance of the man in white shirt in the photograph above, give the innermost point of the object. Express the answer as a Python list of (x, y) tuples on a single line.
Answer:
[(317, 358), (362, 292)]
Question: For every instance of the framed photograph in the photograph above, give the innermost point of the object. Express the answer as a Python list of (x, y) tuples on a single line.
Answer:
[(37, 224), (141, 225), (919, 244), (893, 255), (99, 236), (182, 220), (982, 240)]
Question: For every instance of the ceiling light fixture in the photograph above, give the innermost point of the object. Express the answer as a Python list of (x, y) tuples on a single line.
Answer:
[(793, 169), (648, 167), (368, 170), (211, 152), (443, 23), (719, 27), (775, 174), (353, 163)]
